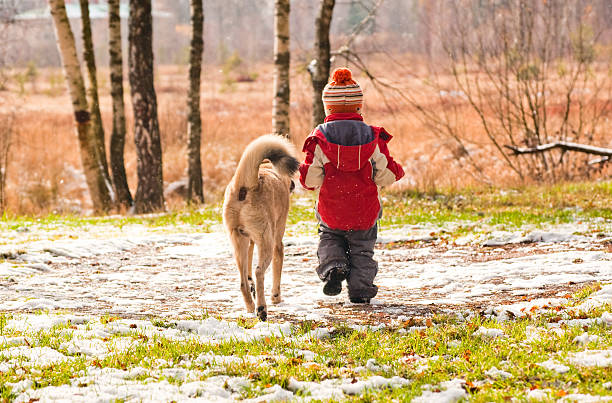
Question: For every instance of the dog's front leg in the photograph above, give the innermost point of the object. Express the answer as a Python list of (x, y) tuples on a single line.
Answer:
[(264, 257)]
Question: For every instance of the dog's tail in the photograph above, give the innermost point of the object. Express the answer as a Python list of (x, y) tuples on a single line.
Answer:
[(275, 148)]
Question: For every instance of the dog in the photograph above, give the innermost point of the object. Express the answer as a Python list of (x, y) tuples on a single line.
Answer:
[(255, 208)]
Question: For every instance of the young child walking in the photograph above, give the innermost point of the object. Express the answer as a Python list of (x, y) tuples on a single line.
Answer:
[(347, 160)]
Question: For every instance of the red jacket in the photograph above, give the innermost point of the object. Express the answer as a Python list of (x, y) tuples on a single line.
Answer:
[(348, 160)]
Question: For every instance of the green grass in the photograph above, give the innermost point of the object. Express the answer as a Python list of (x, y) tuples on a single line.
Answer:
[(511, 207), (202, 218), (467, 209), (399, 351)]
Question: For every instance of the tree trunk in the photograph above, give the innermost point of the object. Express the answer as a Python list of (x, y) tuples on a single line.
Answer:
[(117, 140), (280, 119), (93, 167), (194, 127), (94, 107), (149, 195), (319, 67)]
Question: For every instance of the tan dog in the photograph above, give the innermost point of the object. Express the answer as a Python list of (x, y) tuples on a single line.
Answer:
[(255, 212)]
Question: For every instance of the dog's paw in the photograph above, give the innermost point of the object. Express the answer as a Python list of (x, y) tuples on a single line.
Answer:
[(276, 298), (261, 313), (250, 307)]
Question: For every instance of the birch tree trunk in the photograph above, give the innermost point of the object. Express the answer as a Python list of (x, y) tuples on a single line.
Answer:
[(149, 195), (94, 102), (320, 66), (280, 111), (194, 127), (93, 167), (117, 140)]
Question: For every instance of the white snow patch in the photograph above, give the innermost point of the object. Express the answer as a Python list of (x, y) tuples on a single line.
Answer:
[(501, 238), (490, 333), (452, 392), (220, 330), (36, 323), (538, 394), (592, 358), (337, 388), (106, 385), (536, 334), (274, 393), (555, 366), (606, 318), (585, 338), (497, 373), (96, 347), (597, 299), (35, 356)]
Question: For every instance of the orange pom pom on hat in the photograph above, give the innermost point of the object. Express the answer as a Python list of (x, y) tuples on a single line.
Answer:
[(342, 94)]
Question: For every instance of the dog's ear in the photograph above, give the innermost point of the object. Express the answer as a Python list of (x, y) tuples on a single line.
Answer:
[(242, 194), (291, 186)]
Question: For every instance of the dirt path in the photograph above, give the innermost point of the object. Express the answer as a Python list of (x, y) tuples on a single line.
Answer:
[(186, 275)]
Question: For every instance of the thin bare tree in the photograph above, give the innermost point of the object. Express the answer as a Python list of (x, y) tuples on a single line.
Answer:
[(319, 67), (7, 132), (149, 195), (194, 127), (99, 186), (117, 139), (282, 56), (94, 101), (530, 83)]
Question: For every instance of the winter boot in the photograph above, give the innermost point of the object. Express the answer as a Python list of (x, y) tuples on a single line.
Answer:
[(359, 300), (333, 286)]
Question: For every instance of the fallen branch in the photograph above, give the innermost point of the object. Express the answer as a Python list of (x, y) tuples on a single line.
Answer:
[(602, 160), (565, 146)]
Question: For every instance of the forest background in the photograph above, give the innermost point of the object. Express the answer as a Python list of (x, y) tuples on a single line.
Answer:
[(463, 87)]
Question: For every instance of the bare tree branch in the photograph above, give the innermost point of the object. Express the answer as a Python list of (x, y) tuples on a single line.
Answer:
[(562, 145)]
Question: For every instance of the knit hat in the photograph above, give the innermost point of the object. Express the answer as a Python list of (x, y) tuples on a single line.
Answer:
[(342, 94)]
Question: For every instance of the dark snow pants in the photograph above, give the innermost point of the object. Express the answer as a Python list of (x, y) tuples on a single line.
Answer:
[(350, 252)]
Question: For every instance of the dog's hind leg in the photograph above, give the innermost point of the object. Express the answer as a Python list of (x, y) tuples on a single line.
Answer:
[(277, 268), (250, 267), (241, 251), (264, 256)]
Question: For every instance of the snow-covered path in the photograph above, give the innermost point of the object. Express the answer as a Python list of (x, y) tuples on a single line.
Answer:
[(132, 272)]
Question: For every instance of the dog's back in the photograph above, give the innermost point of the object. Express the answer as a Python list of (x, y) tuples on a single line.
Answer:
[(258, 189)]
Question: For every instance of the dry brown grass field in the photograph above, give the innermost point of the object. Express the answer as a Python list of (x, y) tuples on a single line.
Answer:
[(43, 172)]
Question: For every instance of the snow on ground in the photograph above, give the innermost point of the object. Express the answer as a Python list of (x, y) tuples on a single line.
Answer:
[(451, 391), (553, 365), (134, 272), (92, 338), (592, 358), (109, 385)]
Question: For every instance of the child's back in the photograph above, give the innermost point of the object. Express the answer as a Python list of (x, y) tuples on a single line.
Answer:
[(347, 160)]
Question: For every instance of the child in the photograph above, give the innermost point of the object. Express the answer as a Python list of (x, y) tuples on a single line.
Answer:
[(347, 160)]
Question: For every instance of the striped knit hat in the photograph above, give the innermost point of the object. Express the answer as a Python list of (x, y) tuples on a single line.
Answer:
[(342, 94)]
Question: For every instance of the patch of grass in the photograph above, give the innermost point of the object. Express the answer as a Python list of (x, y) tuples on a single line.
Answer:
[(538, 205), (201, 219), (585, 292), (442, 348), (4, 318), (468, 210), (163, 323)]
